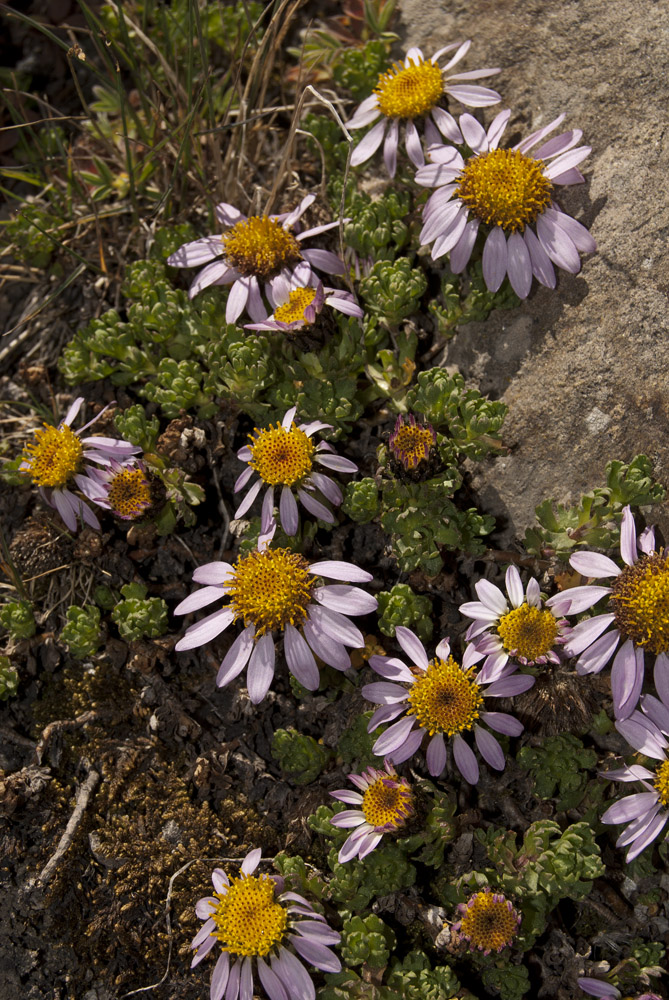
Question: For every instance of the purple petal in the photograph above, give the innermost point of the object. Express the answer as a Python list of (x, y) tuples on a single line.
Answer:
[(390, 147), (199, 599), (510, 686), (629, 808), (328, 488), (220, 880), (384, 692), (73, 411), (293, 975), (288, 513), (597, 988), (299, 658), (577, 233), (232, 989), (542, 268), (474, 133), (318, 930), (196, 253), (413, 144), (462, 251), (391, 668), (465, 760), (228, 215), (579, 598), (628, 538), (519, 265), (502, 723), (367, 843), (497, 127), (315, 507), (567, 161), (336, 626), (595, 658), (246, 981), (647, 741), (249, 498), (315, 953), (324, 260), (203, 907), (251, 861), (203, 951), (237, 299), (243, 479), (337, 463), (593, 564), (559, 247), (219, 977), (212, 573), (489, 748), (586, 632), (207, 629), (237, 657), (535, 137), (436, 755), (448, 240), (492, 597), (646, 540), (394, 736), (626, 679), (514, 586), (217, 273), (261, 668), (203, 933), (64, 508), (326, 648), (661, 677), (347, 600), (271, 982), (347, 796), (408, 748), (440, 220), (412, 646), (267, 512), (447, 125), (369, 144), (495, 259), (473, 97), (651, 832)]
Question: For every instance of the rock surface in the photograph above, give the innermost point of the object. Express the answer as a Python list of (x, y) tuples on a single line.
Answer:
[(584, 368)]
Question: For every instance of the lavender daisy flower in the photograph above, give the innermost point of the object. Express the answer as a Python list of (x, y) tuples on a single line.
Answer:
[(299, 301), (488, 922), (385, 805), (444, 700), (646, 812), (284, 456), (253, 918), (637, 614), (515, 626), (57, 460), (276, 590), (410, 442), (128, 491), (605, 991), (510, 193), (415, 89), (254, 249)]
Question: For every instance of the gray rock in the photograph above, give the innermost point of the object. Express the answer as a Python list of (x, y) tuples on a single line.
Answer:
[(584, 368)]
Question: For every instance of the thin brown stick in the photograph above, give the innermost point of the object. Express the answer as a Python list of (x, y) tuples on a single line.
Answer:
[(83, 797)]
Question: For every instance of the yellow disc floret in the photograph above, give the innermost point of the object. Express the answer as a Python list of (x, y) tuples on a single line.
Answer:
[(445, 698), (292, 311), (661, 782), (248, 919), (55, 457), (504, 188), (640, 602), (271, 589), (409, 91), (281, 457), (489, 922), (411, 444), (528, 632), (260, 246), (387, 802), (129, 493)]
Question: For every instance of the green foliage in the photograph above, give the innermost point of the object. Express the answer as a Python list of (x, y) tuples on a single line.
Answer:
[(595, 521), (356, 883), (294, 870), (82, 633), (361, 501), (392, 290), (402, 606), (377, 230), (510, 983), (168, 239), (648, 954), (438, 831), (9, 679), (321, 822), (367, 941), (18, 618), (469, 423), (27, 232), (559, 768), (137, 617), (134, 426), (300, 757), (358, 70), (468, 300), (412, 978), (355, 744), (104, 597)]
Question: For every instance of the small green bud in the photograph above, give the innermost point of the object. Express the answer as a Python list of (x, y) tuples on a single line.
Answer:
[(137, 617), (299, 756), (82, 633)]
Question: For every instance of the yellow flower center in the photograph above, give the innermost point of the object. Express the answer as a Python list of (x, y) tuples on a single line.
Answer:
[(411, 444), (248, 919), (661, 782), (292, 311), (271, 589), (504, 188), (387, 802), (640, 602), (55, 457), (281, 457), (489, 923), (528, 632), (260, 246), (445, 698), (129, 493), (409, 91)]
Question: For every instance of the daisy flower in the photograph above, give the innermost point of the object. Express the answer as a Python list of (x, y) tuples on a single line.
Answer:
[(488, 922), (276, 590), (411, 442), (253, 918), (510, 194), (605, 991), (443, 699), (251, 250), (285, 456), (415, 90), (385, 802), (57, 461), (646, 812), (516, 625), (637, 617), (299, 301), (128, 491)]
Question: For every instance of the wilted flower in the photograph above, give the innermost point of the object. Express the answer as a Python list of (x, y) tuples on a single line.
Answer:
[(488, 922), (260, 248), (646, 812), (515, 626), (410, 442), (638, 602), (58, 459), (128, 491), (284, 456), (444, 700), (415, 89), (276, 590), (253, 918), (299, 301), (605, 991), (510, 193), (385, 805)]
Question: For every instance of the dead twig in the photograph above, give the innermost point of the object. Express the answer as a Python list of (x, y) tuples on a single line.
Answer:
[(57, 727), (83, 796)]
